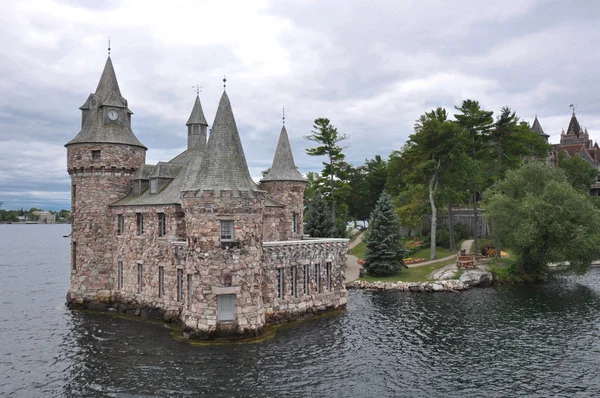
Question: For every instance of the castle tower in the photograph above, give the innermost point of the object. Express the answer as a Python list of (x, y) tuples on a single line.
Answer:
[(537, 128), (286, 185), (223, 215), (101, 160), (197, 127)]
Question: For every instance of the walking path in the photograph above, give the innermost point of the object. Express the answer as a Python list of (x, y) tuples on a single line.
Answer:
[(352, 265)]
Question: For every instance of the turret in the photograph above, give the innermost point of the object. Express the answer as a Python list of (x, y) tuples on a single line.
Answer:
[(101, 160), (286, 185), (197, 127)]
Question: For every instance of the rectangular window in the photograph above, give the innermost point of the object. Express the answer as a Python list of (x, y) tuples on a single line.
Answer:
[(179, 285), (162, 224), (226, 230), (140, 223), (318, 277), (153, 185), (120, 275), (74, 256), (225, 307), (328, 271), (73, 198), (306, 279), (120, 224), (140, 280), (96, 155), (294, 223), (295, 281), (280, 276), (161, 281), (190, 289), (137, 187)]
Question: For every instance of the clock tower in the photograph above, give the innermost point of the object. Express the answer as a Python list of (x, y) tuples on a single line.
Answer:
[(101, 161)]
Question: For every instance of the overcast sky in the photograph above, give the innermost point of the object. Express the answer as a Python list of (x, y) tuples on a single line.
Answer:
[(371, 67)]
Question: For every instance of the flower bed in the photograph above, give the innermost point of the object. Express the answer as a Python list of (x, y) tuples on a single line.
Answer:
[(413, 260)]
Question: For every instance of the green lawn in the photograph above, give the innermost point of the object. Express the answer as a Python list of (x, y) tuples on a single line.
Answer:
[(359, 251), (414, 274)]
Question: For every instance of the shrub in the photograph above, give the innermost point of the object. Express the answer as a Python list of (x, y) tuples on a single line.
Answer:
[(485, 248), (461, 232)]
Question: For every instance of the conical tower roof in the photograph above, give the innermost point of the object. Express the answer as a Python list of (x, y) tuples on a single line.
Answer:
[(537, 128), (94, 129), (283, 167), (197, 115), (574, 127), (224, 165)]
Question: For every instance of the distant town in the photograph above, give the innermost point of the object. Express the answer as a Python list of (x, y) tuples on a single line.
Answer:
[(34, 216)]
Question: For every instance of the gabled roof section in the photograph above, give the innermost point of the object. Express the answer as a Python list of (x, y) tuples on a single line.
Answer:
[(165, 170), (283, 167), (574, 127), (197, 115), (537, 128), (224, 165), (94, 129), (143, 173)]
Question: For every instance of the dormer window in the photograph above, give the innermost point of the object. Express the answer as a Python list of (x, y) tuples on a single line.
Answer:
[(154, 185), (226, 230), (96, 155)]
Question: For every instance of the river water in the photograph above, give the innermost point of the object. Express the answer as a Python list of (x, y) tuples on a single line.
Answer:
[(536, 340)]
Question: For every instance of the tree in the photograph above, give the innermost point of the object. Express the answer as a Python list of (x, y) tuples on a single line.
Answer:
[(580, 174), (318, 222), (543, 219), (384, 250), (436, 145), (328, 137), (477, 123)]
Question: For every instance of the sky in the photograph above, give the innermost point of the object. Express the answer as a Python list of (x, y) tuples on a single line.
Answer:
[(371, 67)]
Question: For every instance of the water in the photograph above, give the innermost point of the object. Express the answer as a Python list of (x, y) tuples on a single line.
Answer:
[(535, 341)]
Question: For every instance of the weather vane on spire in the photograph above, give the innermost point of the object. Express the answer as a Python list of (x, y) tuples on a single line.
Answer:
[(284, 115), (573, 106), (197, 88), (109, 46), (224, 82)]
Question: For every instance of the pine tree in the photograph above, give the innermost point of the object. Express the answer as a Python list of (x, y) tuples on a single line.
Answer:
[(318, 220), (384, 248)]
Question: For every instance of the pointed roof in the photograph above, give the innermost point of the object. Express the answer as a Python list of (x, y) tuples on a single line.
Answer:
[(197, 115), (537, 128), (574, 127), (94, 129), (224, 165), (283, 167)]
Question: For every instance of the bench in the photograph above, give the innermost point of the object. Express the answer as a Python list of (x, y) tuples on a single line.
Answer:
[(465, 262)]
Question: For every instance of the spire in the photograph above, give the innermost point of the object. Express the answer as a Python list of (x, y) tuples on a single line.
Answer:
[(283, 167), (537, 128), (574, 127), (224, 164), (96, 127), (197, 115)]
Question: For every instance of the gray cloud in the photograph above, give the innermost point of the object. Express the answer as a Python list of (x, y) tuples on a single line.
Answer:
[(372, 68)]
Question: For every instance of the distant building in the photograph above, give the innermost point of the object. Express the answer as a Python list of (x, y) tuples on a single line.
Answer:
[(44, 217), (193, 240), (574, 142)]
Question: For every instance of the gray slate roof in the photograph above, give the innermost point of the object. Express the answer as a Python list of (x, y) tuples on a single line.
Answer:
[(574, 127), (224, 165), (537, 128), (197, 115), (94, 130), (165, 170), (283, 167)]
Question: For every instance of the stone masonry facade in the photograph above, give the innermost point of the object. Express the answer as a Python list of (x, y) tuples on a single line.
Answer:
[(194, 240)]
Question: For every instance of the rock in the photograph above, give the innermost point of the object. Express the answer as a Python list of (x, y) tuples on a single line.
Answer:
[(476, 277), (437, 287)]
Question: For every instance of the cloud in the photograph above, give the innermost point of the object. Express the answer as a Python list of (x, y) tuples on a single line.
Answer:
[(372, 68)]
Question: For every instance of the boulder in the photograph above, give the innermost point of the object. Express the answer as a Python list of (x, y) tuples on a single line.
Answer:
[(476, 277)]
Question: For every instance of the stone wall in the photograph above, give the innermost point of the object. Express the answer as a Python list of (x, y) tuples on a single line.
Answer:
[(464, 216), (94, 185), (278, 225), (309, 298)]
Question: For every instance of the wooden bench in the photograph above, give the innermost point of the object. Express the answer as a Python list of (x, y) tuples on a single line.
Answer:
[(465, 262)]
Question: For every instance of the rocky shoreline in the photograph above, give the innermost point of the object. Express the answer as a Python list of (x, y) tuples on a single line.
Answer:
[(469, 279)]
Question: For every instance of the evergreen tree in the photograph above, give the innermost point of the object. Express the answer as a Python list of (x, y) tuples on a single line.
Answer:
[(384, 249), (318, 220)]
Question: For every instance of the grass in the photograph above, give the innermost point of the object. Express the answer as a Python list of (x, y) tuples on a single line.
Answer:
[(413, 274), (359, 251)]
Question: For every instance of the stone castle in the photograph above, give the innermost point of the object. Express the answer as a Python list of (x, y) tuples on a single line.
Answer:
[(193, 240), (574, 142)]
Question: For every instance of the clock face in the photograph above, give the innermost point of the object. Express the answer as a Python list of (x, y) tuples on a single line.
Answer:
[(113, 114)]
